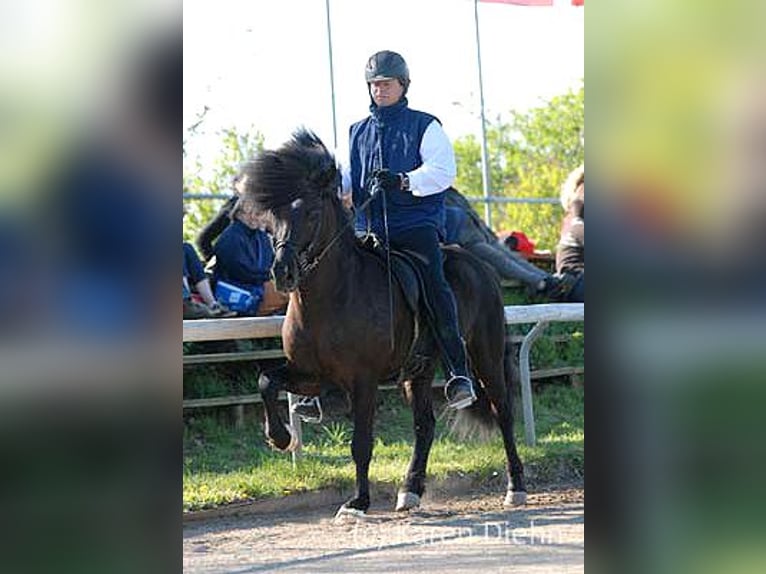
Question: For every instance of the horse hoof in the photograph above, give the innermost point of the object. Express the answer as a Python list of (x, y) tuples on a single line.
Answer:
[(407, 501), (292, 444), (346, 512), (515, 498)]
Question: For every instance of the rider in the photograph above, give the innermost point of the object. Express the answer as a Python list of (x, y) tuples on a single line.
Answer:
[(404, 158)]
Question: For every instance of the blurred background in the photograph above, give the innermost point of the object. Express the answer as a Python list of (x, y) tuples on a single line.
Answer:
[(90, 215), (676, 132), (90, 360)]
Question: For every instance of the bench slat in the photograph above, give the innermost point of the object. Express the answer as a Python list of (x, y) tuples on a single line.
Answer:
[(234, 328), (232, 400), (201, 358), (264, 327)]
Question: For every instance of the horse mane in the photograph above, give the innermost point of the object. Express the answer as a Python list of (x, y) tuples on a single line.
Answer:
[(299, 168)]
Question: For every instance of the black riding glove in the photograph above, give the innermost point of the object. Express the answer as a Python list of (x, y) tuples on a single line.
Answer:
[(385, 179)]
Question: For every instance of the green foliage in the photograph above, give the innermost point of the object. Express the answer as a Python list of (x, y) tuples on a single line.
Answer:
[(215, 176), (530, 156), (337, 434)]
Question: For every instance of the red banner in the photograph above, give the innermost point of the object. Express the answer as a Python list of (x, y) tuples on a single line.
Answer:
[(532, 2), (523, 2)]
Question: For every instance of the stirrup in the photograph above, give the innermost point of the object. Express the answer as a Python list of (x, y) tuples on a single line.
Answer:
[(308, 409), (462, 399)]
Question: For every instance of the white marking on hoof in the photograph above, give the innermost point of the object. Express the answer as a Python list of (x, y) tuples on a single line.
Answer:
[(294, 442), (518, 498), (345, 513), (407, 501)]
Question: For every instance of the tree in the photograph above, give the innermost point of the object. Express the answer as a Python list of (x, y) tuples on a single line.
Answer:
[(530, 156), (215, 177)]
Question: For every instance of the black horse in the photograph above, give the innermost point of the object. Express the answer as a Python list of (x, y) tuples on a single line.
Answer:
[(338, 325)]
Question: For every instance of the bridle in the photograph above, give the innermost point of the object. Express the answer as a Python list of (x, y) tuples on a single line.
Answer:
[(306, 263)]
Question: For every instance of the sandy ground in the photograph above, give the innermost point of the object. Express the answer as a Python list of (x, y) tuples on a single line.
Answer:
[(450, 534)]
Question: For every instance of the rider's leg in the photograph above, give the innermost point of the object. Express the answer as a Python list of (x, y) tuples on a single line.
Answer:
[(442, 312)]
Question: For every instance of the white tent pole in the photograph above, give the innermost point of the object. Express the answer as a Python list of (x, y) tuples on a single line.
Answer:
[(484, 155), (332, 76)]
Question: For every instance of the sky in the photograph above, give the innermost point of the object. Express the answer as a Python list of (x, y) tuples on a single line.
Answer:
[(264, 64)]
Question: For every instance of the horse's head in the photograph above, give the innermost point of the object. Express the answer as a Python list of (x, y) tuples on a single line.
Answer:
[(297, 233), (289, 186)]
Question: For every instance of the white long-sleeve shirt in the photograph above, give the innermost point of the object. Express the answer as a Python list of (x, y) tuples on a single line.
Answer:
[(437, 172)]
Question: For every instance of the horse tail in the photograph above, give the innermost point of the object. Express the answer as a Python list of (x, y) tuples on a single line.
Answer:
[(478, 420)]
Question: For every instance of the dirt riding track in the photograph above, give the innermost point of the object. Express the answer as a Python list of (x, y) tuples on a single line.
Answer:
[(449, 534)]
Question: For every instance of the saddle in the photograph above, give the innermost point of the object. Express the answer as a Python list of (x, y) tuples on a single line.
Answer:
[(408, 276), (403, 269)]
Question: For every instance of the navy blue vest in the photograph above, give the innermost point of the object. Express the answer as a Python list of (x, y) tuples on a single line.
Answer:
[(390, 137)]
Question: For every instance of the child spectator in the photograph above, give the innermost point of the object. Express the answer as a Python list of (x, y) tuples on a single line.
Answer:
[(244, 256)]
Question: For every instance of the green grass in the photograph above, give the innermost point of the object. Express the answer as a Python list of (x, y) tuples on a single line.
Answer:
[(223, 465)]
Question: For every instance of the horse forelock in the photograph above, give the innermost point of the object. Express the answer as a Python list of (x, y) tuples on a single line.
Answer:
[(299, 169)]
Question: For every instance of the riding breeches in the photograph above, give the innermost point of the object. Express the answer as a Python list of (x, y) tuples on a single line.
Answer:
[(440, 302)]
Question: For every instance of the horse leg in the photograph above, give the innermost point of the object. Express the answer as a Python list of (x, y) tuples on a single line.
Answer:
[(516, 494), (361, 447), (419, 396), (279, 434), (499, 395)]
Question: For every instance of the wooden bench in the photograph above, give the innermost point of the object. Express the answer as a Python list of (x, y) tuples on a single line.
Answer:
[(271, 327)]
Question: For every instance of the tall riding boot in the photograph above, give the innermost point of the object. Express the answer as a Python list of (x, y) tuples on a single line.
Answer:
[(459, 389)]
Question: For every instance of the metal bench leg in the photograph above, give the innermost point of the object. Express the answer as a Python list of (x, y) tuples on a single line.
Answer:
[(295, 422), (526, 382)]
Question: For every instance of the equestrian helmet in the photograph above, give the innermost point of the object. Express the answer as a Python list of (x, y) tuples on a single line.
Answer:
[(385, 65)]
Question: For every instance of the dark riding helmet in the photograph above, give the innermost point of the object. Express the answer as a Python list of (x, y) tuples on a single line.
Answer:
[(386, 65)]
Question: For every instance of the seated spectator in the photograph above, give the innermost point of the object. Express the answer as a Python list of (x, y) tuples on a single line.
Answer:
[(464, 227), (199, 302), (244, 256), (210, 232), (570, 252)]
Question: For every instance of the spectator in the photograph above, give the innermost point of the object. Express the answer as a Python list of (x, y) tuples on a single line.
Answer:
[(244, 256), (570, 252), (199, 302), (464, 227), (210, 232)]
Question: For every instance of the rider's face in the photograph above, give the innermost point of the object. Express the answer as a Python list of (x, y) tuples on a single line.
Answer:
[(386, 92)]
